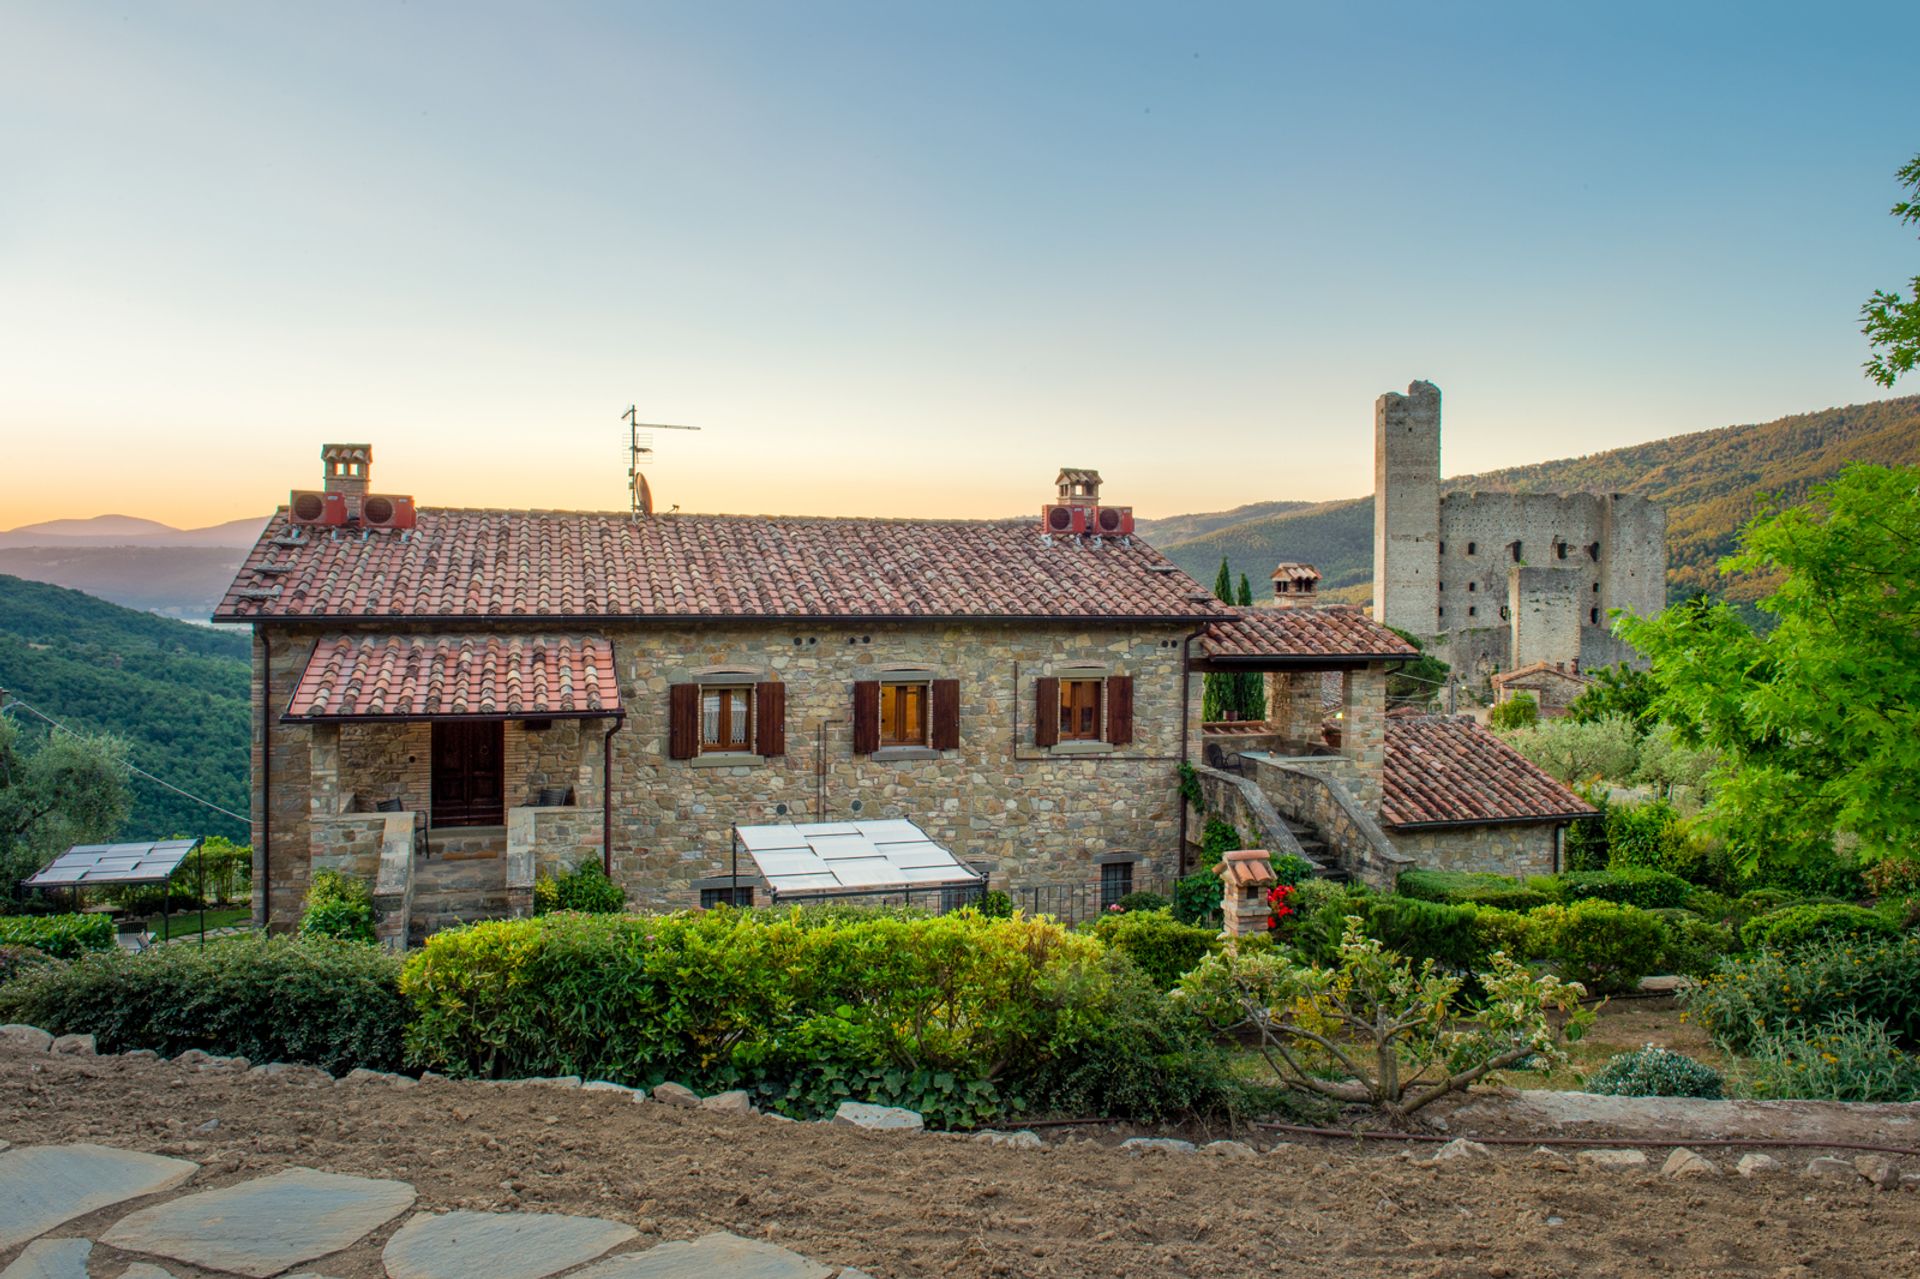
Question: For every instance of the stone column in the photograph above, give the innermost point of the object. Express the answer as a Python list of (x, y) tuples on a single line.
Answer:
[(1363, 730)]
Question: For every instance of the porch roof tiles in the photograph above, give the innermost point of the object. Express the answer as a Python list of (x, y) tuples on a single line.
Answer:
[(538, 676), (1446, 770), (1296, 634)]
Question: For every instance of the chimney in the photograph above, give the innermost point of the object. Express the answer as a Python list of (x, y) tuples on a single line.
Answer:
[(347, 468), (1294, 586)]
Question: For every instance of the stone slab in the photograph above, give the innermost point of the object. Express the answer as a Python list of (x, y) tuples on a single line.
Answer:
[(30, 1038), (860, 1114), (146, 1270), (42, 1186), (262, 1227), (709, 1257), (51, 1259), (672, 1094), (500, 1245)]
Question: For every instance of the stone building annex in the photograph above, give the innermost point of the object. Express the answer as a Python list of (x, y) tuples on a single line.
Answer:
[(449, 702), (1497, 581)]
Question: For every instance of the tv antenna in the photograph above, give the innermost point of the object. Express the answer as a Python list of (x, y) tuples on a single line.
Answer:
[(639, 453)]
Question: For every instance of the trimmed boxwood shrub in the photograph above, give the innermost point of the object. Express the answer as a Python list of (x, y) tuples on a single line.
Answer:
[(1657, 1072), (1471, 888), (1421, 930), (960, 1017), (1694, 945), (314, 1000), (1605, 946), (1793, 926), (61, 936), (1630, 886), (1160, 946)]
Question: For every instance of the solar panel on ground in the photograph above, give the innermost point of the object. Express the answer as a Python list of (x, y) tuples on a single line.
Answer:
[(84, 865), (822, 858)]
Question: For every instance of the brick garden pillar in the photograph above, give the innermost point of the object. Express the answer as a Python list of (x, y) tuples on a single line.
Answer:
[(1246, 875)]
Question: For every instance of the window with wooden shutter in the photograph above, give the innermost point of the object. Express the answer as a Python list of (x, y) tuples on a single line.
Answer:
[(770, 718), (903, 712), (1046, 711), (946, 714), (1080, 710), (866, 716), (1120, 709), (683, 721)]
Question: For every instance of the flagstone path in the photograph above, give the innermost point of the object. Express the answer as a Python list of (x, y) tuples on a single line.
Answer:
[(266, 1226)]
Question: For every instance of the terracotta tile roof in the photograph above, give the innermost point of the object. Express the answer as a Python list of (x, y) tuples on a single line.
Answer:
[(414, 676), (1447, 770), (1524, 673), (1247, 866), (1334, 630), (557, 564)]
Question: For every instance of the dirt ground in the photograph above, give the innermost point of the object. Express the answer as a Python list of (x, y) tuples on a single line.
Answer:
[(905, 1205)]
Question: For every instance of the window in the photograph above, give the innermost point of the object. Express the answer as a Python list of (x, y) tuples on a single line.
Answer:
[(1080, 710), (1594, 616), (1116, 881), (1472, 547), (1515, 548), (1443, 548), (1473, 586), (1560, 550), (903, 714), (726, 719), (1473, 610), (729, 896)]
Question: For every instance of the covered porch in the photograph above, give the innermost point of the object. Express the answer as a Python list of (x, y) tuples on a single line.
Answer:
[(448, 771)]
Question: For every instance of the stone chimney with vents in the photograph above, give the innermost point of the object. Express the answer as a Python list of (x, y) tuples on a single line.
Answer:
[(347, 469)]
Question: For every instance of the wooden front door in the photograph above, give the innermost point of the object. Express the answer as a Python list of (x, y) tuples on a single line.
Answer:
[(469, 773)]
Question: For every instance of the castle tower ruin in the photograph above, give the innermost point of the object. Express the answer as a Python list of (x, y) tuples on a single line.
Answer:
[(1406, 508)]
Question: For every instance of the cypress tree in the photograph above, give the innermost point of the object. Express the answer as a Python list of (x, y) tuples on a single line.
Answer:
[(1251, 695), (1220, 693)]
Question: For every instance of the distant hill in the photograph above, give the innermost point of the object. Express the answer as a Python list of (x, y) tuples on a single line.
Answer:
[(128, 530), (1708, 481), (183, 582), (1185, 528), (178, 694)]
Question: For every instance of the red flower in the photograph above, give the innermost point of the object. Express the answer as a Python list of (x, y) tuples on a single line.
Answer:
[(1277, 906)]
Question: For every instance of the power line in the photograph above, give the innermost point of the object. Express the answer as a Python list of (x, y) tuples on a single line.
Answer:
[(13, 700)]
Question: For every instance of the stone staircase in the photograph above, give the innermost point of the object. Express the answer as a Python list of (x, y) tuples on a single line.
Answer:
[(460, 878), (1316, 850)]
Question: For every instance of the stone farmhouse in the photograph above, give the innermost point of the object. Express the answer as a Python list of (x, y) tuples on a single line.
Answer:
[(1497, 581), (450, 702), (1554, 686)]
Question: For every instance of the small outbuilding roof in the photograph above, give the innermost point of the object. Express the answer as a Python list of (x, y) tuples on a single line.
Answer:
[(827, 859), (86, 865), (1446, 770), (1301, 636)]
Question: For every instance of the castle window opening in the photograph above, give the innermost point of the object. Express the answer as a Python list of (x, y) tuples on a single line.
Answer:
[(1515, 548), (1473, 586), (1596, 588), (1594, 614), (1443, 548), (1472, 547), (1473, 610), (1593, 551), (1560, 550)]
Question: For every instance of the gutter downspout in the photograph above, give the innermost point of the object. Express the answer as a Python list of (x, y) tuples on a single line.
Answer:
[(262, 872), (1186, 711), (606, 795)]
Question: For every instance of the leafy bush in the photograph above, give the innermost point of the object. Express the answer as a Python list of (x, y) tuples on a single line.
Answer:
[(1604, 945), (61, 936), (153, 899), (1717, 908), (315, 1000), (1770, 992), (1320, 910), (1586, 842), (1425, 930), (1391, 1035), (1289, 869), (1694, 946), (1517, 712), (1792, 926), (1656, 1072), (1652, 836), (585, 888), (1159, 945), (1196, 899), (1458, 887), (1605, 749), (1219, 838), (1893, 877), (1844, 1057), (958, 1016), (339, 906), (15, 960), (995, 904), (1631, 886), (1763, 901), (1142, 901)]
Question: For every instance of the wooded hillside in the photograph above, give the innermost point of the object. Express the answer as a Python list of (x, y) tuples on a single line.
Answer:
[(1709, 482), (176, 693)]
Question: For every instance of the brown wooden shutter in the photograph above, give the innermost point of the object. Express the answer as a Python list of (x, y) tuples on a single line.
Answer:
[(770, 718), (683, 721), (1046, 711), (1120, 709), (946, 715), (866, 716)]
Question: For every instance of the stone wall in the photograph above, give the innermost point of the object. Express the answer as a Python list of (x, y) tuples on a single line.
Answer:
[(1029, 815), (1406, 505), (1544, 616), (1506, 849), (1325, 794), (387, 761)]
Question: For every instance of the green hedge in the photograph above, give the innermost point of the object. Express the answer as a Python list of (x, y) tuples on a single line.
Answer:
[(1159, 945), (315, 1000), (1471, 888), (62, 936), (1793, 926), (961, 1017), (1630, 886)]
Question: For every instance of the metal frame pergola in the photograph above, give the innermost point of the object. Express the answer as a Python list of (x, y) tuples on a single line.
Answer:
[(834, 861), (101, 865)]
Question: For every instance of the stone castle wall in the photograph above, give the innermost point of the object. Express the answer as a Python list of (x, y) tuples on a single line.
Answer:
[(1508, 849), (1029, 815)]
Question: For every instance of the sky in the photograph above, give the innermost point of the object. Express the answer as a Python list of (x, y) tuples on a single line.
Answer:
[(910, 258)]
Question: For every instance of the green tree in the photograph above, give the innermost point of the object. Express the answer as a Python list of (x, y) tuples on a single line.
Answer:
[(1892, 323), (1419, 682), (69, 790), (1220, 694), (1251, 699), (1617, 690), (1518, 711), (1815, 725)]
